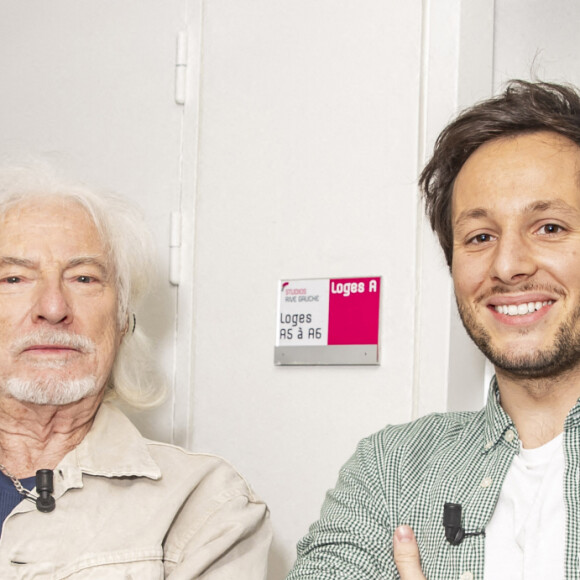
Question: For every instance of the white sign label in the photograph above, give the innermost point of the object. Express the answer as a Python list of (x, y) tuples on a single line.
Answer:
[(303, 313)]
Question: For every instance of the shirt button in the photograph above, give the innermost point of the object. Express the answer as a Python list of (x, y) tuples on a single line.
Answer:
[(466, 576), (486, 482), (489, 445), (509, 435)]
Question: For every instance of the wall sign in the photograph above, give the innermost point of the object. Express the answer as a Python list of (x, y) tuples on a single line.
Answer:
[(328, 321)]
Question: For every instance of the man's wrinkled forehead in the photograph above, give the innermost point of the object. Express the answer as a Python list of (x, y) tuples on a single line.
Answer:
[(49, 218)]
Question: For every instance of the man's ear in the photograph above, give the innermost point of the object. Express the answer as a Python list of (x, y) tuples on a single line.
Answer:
[(130, 325)]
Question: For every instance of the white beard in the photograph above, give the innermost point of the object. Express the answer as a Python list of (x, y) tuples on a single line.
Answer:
[(50, 391)]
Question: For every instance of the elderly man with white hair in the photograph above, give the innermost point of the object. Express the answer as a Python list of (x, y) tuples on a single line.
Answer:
[(82, 493)]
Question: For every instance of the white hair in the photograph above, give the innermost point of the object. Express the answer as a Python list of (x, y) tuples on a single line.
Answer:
[(129, 249)]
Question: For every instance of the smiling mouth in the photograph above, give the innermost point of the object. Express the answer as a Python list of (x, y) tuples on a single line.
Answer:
[(521, 309)]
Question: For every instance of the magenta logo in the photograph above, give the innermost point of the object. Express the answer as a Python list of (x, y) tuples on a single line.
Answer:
[(354, 311)]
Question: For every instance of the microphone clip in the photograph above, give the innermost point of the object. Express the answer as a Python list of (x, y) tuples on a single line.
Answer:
[(44, 487), (454, 532)]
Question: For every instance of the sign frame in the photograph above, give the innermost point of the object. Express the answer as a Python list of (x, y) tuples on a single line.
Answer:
[(328, 321)]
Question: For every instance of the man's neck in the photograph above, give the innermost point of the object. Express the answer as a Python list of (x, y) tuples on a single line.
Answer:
[(538, 407), (36, 437)]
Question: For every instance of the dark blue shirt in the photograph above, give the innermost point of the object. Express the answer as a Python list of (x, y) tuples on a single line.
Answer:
[(9, 496)]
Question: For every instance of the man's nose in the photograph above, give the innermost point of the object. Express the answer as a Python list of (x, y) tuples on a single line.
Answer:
[(52, 304), (514, 260)]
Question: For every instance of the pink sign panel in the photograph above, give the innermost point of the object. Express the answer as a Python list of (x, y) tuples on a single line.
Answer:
[(353, 311)]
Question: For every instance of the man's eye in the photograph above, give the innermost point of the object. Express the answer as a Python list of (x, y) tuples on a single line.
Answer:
[(12, 280), (551, 229), (480, 239), (85, 279)]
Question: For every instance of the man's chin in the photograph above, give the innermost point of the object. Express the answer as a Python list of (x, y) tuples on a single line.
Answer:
[(527, 355), (534, 365), (50, 391)]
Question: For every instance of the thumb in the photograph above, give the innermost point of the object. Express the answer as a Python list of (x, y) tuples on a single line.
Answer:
[(406, 553)]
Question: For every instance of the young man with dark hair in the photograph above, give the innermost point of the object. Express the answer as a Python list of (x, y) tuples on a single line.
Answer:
[(493, 494)]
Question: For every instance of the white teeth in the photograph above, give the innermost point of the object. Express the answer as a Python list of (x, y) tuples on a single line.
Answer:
[(521, 309)]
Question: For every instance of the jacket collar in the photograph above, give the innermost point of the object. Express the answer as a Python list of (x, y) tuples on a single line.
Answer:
[(113, 447)]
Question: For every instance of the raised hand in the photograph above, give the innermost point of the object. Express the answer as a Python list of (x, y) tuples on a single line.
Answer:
[(406, 554)]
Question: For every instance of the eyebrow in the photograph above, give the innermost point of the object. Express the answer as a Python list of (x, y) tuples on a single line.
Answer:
[(466, 215), (33, 264), (556, 204), (88, 261), (12, 261), (535, 207)]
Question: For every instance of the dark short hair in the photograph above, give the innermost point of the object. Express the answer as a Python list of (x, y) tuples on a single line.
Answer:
[(524, 107)]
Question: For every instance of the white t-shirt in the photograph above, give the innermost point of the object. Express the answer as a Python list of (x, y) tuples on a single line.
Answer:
[(526, 537)]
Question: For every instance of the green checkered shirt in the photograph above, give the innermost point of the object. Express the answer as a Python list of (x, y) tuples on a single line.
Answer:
[(404, 475)]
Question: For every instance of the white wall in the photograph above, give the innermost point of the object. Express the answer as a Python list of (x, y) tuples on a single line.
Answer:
[(314, 119), (536, 39)]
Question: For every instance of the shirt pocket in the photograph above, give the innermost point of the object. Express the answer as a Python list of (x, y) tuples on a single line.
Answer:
[(121, 565)]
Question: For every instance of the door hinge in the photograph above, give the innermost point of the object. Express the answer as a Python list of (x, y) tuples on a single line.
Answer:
[(175, 248), (181, 68)]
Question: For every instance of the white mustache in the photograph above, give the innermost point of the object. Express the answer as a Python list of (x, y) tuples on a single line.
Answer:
[(53, 337)]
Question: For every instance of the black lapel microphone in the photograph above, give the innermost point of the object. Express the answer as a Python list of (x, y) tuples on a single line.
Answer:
[(44, 487), (454, 532), (452, 522)]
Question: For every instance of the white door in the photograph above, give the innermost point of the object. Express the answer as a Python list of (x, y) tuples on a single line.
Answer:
[(92, 84)]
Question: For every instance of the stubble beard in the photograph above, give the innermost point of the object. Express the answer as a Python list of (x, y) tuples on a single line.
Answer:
[(549, 362)]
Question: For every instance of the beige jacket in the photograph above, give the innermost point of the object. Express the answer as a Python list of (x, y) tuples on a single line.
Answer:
[(136, 509)]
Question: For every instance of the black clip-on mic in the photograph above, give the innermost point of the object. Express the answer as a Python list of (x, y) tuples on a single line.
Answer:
[(44, 487), (452, 522)]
